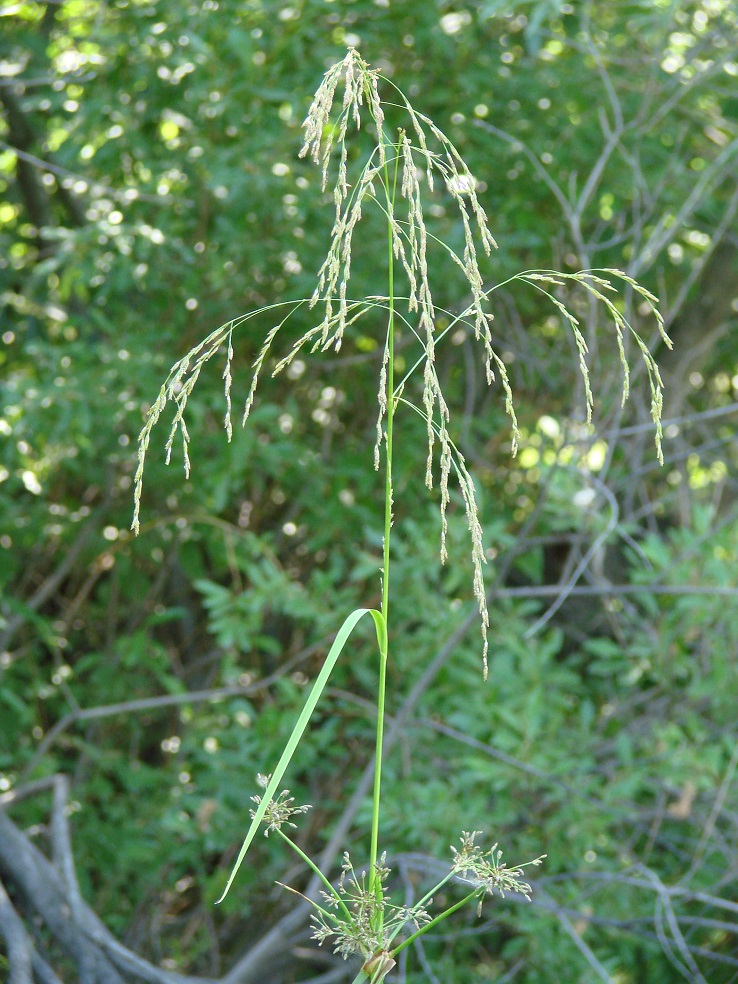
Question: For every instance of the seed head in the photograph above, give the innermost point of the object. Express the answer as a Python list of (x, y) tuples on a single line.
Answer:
[(279, 810)]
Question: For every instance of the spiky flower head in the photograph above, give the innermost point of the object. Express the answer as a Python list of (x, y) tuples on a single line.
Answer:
[(487, 869), (279, 810), (368, 921)]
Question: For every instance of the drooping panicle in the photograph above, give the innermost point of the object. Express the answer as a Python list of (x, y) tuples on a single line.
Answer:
[(394, 177)]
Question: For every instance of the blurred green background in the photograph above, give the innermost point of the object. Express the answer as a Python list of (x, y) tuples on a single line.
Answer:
[(150, 190)]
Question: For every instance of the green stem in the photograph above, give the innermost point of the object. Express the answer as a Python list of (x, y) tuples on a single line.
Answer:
[(316, 870), (434, 922), (374, 883), (426, 898)]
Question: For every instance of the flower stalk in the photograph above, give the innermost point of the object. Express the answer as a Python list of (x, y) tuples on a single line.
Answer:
[(389, 360)]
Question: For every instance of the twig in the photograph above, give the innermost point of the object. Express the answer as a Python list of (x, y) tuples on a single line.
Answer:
[(157, 703), (52, 582), (329, 977), (511, 973), (17, 82), (690, 418), (19, 946), (18, 793), (714, 814), (698, 267), (516, 142), (675, 891), (61, 847), (663, 902), (548, 590), (96, 186), (40, 884), (566, 589), (427, 969), (43, 971), (578, 941), (495, 753), (669, 225)]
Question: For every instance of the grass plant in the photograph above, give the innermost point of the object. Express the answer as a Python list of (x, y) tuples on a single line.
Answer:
[(356, 915)]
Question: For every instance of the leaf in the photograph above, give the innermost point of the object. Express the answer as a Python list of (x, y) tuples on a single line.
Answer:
[(302, 722)]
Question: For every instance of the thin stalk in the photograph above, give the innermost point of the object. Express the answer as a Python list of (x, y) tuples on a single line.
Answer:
[(374, 883), (434, 922), (426, 898), (316, 871)]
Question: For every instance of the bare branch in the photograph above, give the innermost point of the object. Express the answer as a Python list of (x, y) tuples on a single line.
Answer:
[(50, 584), (163, 701), (578, 940), (19, 945), (39, 884)]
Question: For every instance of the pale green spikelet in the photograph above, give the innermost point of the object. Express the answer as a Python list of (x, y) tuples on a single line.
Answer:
[(227, 384), (488, 870), (279, 811), (382, 403)]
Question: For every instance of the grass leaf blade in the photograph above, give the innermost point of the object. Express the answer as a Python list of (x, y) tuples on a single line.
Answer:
[(302, 722)]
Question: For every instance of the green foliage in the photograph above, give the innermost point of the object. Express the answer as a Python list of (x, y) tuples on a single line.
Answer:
[(161, 129)]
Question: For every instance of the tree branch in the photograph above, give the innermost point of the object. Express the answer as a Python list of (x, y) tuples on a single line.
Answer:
[(19, 945), (39, 884)]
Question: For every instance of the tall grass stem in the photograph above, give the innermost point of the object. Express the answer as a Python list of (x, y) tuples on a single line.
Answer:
[(388, 504)]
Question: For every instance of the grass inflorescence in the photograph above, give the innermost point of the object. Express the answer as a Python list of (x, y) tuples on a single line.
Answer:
[(394, 176)]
